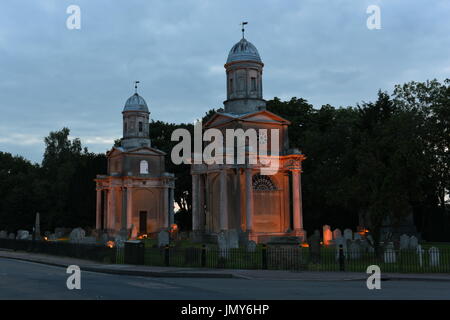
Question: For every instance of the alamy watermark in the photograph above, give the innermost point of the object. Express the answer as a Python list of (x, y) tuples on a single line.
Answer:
[(74, 280), (374, 280), (252, 147), (74, 20), (374, 20)]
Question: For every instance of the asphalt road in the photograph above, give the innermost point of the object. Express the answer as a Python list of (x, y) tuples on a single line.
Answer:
[(25, 280)]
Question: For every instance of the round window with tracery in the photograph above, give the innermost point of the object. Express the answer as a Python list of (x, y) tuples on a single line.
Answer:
[(263, 183)]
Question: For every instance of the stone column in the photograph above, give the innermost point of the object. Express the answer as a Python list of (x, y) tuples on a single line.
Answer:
[(105, 208), (249, 199), (171, 206), (166, 208), (195, 204), (98, 216), (124, 209), (297, 199), (223, 213), (201, 198), (129, 207), (112, 211)]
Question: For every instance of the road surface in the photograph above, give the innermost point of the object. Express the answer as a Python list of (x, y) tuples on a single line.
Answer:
[(26, 280)]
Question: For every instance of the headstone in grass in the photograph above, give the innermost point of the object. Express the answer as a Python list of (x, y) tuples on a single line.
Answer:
[(338, 242), (419, 251), (243, 238), (348, 234), (314, 247), (389, 254), (77, 235), (365, 245), (327, 235), (413, 242), (354, 250), (52, 237), (337, 233), (434, 256), (404, 241), (3, 234), (163, 238), (357, 236), (233, 239), (222, 243), (62, 232), (22, 235), (251, 246)]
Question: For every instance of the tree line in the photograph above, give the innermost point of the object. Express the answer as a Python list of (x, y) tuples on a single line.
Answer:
[(389, 158)]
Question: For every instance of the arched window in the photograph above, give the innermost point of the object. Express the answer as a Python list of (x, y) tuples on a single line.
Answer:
[(263, 183), (144, 167)]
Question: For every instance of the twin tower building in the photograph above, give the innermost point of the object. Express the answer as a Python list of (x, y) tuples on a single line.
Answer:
[(136, 197)]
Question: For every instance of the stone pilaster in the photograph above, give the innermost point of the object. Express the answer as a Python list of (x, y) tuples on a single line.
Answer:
[(223, 213)]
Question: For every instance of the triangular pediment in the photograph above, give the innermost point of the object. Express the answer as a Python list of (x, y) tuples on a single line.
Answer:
[(262, 116), (140, 150)]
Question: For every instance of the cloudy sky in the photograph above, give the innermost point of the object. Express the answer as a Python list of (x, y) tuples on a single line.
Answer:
[(320, 50)]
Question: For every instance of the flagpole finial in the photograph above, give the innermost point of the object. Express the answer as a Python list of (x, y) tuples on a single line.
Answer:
[(243, 23)]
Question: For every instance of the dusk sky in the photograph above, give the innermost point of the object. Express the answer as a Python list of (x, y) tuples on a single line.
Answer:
[(320, 50)]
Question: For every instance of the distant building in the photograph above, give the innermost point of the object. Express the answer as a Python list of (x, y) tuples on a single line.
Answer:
[(136, 197), (237, 196)]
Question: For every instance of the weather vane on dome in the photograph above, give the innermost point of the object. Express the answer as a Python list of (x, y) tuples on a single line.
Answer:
[(243, 23), (135, 86)]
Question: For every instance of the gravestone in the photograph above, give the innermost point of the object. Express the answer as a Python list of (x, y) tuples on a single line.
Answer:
[(233, 239), (22, 235), (434, 256), (223, 244), (364, 244), (77, 235), (389, 254), (3, 234), (337, 233), (11, 236), (354, 250), (327, 235), (404, 241), (61, 232), (104, 238), (243, 239), (413, 242), (338, 242), (357, 236), (348, 234), (419, 251), (251, 246), (163, 238), (314, 247)]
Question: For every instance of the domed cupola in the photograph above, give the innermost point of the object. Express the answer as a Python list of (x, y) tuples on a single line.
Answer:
[(135, 103), (243, 51), (244, 69), (135, 122)]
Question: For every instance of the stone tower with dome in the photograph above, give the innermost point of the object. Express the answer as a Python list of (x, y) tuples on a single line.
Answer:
[(136, 197), (237, 196)]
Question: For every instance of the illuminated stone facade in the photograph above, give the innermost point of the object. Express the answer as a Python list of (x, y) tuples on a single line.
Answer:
[(136, 196), (237, 196)]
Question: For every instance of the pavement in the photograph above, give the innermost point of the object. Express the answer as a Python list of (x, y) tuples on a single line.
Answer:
[(175, 272), (23, 280)]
